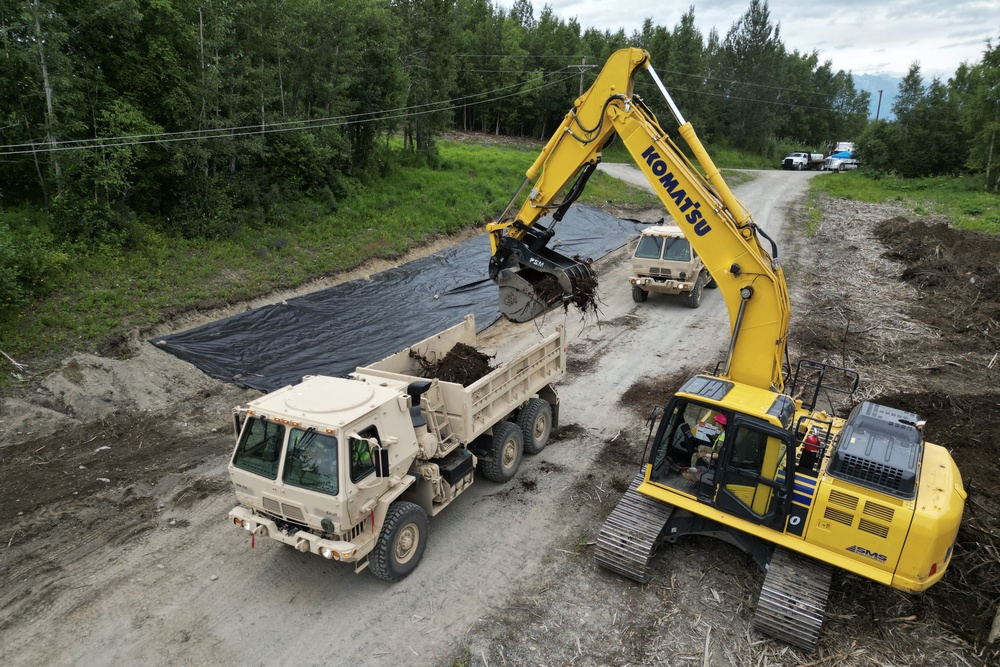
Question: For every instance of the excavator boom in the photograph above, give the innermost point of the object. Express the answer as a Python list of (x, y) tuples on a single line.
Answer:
[(532, 277)]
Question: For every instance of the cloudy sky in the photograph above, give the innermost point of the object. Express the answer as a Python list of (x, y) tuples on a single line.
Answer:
[(862, 36)]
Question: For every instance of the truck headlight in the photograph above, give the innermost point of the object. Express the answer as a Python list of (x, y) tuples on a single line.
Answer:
[(327, 553), (247, 526)]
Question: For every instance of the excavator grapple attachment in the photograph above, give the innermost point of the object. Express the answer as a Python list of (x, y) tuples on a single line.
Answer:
[(519, 300), (531, 281)]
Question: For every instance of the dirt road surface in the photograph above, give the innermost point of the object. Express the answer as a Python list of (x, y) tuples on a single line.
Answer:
[(115, 548)]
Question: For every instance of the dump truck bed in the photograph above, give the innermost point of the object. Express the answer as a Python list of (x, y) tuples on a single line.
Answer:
[(473, 410)]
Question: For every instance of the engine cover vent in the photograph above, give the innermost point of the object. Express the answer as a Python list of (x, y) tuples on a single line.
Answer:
[(879, 448)]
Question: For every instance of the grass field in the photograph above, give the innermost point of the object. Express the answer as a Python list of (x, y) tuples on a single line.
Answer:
[(961, 200), (103, 293)]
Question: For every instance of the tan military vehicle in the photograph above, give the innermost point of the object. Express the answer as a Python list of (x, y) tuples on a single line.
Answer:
[(663, 262), (349, 469)]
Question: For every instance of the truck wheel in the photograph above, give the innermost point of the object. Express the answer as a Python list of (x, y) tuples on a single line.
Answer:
[(638, 294), (798, 167), (693, 299), (711, 284), (401, 543), (506, 452), (535, 422)]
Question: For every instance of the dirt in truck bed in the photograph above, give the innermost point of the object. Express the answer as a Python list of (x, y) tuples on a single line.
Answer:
[(908, 302), (462, 365)]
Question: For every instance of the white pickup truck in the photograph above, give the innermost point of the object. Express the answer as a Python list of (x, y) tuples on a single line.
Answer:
[(802, 160)]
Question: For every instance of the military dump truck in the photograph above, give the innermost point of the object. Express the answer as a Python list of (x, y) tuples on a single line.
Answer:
[(350, 468), (664, 262)]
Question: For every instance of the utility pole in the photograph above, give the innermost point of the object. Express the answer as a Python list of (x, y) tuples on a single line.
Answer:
[(878, 107), (583, 67)]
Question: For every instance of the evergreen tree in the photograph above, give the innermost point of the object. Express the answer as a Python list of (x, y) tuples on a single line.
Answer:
[(751, 56), (978, 87)]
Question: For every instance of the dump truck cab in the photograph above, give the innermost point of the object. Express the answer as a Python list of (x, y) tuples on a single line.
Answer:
[(306, 460), (663, 262)]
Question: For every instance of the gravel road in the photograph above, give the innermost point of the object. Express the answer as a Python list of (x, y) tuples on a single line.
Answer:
[(174, 583)]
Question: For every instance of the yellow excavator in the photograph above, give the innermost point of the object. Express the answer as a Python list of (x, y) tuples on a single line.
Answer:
[(802, 491)]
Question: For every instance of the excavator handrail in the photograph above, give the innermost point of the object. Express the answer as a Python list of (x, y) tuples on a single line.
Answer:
[(717, 225)]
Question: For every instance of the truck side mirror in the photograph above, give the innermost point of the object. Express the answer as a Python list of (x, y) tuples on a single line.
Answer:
[(381, 460), (237, 423)]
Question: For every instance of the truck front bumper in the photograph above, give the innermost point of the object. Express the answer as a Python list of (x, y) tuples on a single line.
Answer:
[(300, 540), (662, 286)]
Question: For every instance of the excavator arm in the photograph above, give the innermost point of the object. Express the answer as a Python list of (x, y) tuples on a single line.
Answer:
[(532, 277)]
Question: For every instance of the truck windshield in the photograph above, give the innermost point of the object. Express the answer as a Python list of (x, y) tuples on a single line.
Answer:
[(259, 448), (649, 247), (677, 250), (311, 461)]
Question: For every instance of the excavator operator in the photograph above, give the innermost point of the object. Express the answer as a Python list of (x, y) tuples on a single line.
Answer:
[(703, 460)]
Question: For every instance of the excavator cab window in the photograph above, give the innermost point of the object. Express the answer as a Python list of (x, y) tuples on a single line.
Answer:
[(686, 427)]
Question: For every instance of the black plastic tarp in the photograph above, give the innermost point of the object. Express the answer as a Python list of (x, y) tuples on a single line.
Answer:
[(335, 330)]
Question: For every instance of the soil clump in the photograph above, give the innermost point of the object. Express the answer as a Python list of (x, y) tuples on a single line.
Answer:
[(462, 365)]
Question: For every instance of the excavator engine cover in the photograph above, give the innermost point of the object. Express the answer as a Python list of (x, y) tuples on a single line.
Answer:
[(533, 278)]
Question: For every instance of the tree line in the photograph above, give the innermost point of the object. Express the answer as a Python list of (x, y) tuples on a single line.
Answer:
[(941, 127), (200, 118)]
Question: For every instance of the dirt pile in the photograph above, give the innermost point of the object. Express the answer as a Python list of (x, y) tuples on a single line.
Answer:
[(914, 306), (462, 365)]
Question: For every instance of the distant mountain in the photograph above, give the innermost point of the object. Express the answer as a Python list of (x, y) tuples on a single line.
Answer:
[(889, 85)]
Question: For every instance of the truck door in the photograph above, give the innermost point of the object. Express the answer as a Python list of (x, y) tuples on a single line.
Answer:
[(753, 477), (364, 487)]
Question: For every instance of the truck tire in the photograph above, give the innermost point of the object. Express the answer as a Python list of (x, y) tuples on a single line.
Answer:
[(638, 294), (401, 543), (710, 283), (535, 422), (798, 167), (693, 299), (506, 452)]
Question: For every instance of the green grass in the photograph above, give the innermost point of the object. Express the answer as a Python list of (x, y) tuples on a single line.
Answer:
[(724, 157), (603, 189), (960, 199), (99, 295)]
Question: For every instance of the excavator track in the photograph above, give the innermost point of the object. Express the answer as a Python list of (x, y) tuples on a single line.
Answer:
[(793, 598), (631, 532)]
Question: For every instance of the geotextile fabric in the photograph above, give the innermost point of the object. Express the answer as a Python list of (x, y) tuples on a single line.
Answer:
[(334, 330)]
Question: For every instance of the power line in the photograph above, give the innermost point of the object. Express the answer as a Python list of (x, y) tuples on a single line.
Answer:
[(350, 119), (748, 83), (670, 71), (298, 124), (724, 96), (286, 126)]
